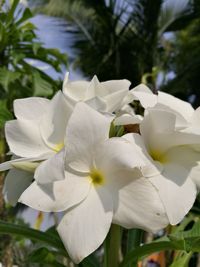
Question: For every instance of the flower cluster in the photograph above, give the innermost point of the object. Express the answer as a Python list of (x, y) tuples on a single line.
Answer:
[(65, 159)]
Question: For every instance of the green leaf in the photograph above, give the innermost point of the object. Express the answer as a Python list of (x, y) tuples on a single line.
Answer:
[(5, 114), (36, 235), (41, 86), (190, 238), (182, 260), (7, 77), (147, 249), (3, 36), (44, 256), (25, 16), (11, 12), (36, 46), (90, 261)]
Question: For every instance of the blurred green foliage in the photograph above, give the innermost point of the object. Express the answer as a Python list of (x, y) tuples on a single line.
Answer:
[(19, 47)]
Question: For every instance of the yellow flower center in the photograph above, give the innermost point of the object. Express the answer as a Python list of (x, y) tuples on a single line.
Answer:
[(96, 177), (58, 147), (157, 156)]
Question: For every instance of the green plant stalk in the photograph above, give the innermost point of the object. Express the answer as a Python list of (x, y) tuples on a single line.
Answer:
[(133, 240), (112, 246)]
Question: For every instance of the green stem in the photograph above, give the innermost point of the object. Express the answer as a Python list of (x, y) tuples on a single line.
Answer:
[(134, 240), (112, 247)]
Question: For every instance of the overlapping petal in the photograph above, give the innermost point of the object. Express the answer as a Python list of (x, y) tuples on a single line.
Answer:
[(84, 228), (85, 130), (117, 154), (31, 108), (24, 139), (51, 169), (143, 94), (182, 109), (28, 164), (164, 134), (137, 203), (177, 191), (57, 196), (16, 182), (110, 94), (54, 121)]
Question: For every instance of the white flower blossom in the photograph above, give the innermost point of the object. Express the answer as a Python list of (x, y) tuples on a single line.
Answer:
[(36, 140), (103, 184), (103, 96), (172, 163)]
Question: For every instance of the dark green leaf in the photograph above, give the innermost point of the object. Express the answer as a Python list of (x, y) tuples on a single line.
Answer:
[(90, 261), (36, 235), (44, 256), (7, 77), (25, 16), (5, 114), (139, 252), (182, 260), (12, 10), (41, 86)]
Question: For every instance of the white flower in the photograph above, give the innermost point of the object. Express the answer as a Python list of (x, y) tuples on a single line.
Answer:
[(162, 101), (173, 165), (36, 139), (103, 184), (103, 96), (126, 114), (143, 94)]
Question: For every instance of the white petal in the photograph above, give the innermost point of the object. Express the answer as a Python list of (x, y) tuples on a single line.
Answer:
[(30, 108), (15, 183), (54, 121), (137, 204), (177, 191), (183, 110), (97, 103), (112, 92), (158, 129), (74, 91), (189, 159), (196, 118), (114, 101), (51, 170), (24, 138), (115, 92), (94, 89), (157, 121), (127, 119), (116, 86), (84, 228), (57, 196), (150, 167), (144, 95), (117, 154), (21, 163), (86, 129)]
